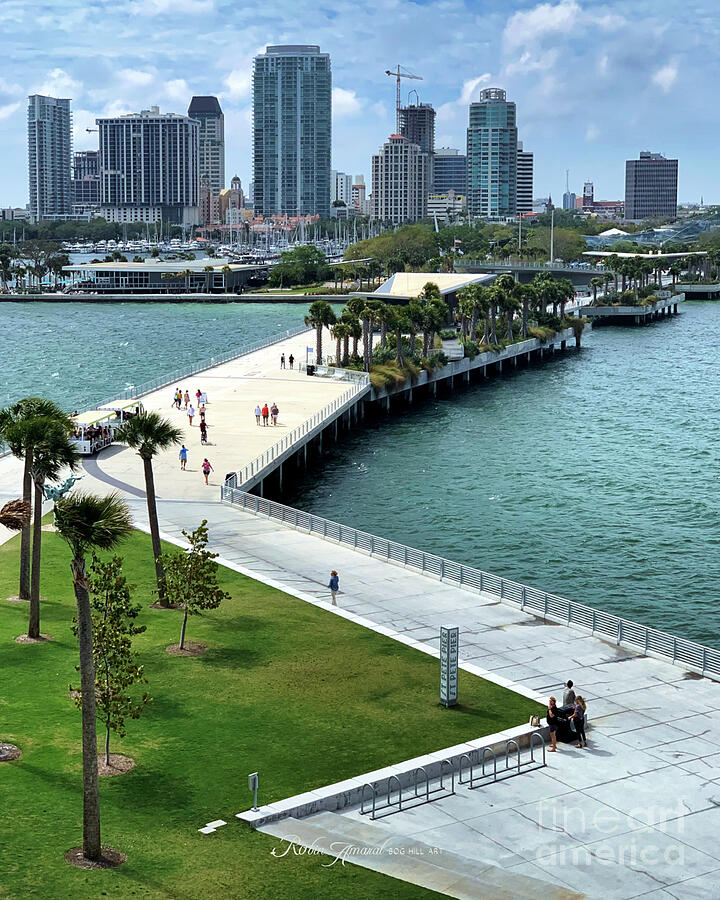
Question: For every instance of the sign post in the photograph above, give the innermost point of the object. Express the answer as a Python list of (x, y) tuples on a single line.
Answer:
[(253, 786), (449, 641)]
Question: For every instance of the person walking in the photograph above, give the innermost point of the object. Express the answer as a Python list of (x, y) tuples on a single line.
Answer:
[(183, 457), (178, 398), (174, 399), (203, 432), (265, 414), (202, 412), (258, 413), (553, 722), (206, 469), (578, 717), (191, 413), (568, 694), (198, 395), (334, 585), (186, 399), (274, 413), (291, 360), (282, 361)]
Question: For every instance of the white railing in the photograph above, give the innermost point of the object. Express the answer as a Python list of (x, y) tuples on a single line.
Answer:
[(337, 373), (308, 427), (623, 632)]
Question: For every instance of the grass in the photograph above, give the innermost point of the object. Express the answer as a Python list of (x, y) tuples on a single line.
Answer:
[(302, 696)]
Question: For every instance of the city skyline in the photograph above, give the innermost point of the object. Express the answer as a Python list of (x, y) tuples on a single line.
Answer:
[(566, 65)]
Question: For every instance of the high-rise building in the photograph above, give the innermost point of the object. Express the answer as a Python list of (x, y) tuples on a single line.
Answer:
[(357, 193), (86, 180), (208, 113), (49, 153), (525, 166), (149, 167), (232, 202), (449, 171), (492, 156), (292, 131), (399, 181), (588, 197), (417, 124), (340, 188), (651, 187)]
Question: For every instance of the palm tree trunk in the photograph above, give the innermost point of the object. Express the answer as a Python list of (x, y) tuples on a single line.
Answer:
[(34, 623), (24, 591), (486, 335), (154, 529), (510, 326), (398, 348), (346, 349), (493, 325), (473, 325), (383, 335), (91, 794), (318, 346), (524, 317), (338, 351)]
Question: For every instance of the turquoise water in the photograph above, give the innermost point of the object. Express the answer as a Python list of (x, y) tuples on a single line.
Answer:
[(80, 353), (594, 476)]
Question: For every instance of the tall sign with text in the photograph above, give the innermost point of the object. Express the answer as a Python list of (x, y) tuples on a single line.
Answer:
[(449, 641)]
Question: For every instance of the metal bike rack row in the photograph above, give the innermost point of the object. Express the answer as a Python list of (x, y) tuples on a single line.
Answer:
[(388, 799), (466, 767)]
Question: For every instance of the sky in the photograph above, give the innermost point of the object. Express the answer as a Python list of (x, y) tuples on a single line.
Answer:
[(595, 82)]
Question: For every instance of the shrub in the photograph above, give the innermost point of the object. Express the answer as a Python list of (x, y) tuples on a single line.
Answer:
[(448, 334), (437, 360), (471, 349), (542, 332), (437, 342)]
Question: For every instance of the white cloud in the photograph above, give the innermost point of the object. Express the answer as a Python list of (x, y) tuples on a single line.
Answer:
[(238, 83), (58, 83), (345, 103), (177, 89), (526, 28), (135, 77), (7, 110), (665, 78), (469, 87), (172, 7), (592, 133)]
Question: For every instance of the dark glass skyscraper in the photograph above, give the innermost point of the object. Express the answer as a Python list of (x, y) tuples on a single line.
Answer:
[(449, 171), (292, 131), (651, 187), (492, 156), (211, 140)]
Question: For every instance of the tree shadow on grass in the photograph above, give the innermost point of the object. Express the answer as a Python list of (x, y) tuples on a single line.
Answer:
[(235, 657)]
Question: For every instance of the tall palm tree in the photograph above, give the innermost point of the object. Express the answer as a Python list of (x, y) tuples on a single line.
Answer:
[(149, 434), (341, 332), (14, 431), (52, 452), (565, 292), (466, 309), (525, 294), (368, 321), (596, 283), (320, 315), (381, 317), (87, 522)]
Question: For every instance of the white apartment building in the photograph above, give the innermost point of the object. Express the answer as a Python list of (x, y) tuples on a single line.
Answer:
[(399, 181)]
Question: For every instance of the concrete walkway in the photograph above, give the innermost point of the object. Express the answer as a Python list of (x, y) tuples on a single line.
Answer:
[(637, 814)]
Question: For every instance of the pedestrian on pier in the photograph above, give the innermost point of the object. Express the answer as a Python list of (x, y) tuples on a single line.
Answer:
[(578, 717), (334, 585), (177, 398), (265, 414), (553, 721), (183, 457), (186, 399), (282, 361), (191, 413), (568, 694), (274, 411), (202, 412), (198, 395), (206, 469), (291, 360), (258, 413)]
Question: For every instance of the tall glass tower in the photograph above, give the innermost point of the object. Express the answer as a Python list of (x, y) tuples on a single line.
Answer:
[(49, 153), (208, 113), (292, 131), (492, 156)]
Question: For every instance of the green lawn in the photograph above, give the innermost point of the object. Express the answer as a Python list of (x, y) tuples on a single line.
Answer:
[(300, 695)]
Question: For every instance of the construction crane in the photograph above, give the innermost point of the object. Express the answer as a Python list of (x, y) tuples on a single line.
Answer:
[(400, 74)]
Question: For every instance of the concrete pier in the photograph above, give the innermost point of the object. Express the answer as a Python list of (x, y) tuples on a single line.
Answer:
[(637, 315)]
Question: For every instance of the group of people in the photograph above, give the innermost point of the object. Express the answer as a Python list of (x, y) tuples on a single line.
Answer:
[(572, 711), (182, 398), (266, 413), (291, 360)]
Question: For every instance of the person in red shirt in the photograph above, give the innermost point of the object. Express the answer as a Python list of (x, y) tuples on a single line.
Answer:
[(265, 414)]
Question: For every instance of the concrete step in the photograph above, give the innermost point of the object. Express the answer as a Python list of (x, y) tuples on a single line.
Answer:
[(373, 847)]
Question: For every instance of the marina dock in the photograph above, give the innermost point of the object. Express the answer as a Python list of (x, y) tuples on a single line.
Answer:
[(638, 315)]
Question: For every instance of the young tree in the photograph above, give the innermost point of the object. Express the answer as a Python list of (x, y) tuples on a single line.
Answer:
[(87, 522), (149, 433), (116, 665), (320, 315), (191, 577)]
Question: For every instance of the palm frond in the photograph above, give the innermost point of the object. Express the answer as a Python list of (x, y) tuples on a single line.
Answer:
[(15, 515), (85, 520), (148, 433)]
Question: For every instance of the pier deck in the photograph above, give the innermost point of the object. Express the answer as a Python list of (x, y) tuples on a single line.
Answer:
[(638, 315)]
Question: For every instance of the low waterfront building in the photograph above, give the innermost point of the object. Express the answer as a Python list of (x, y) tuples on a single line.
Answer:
[(203, 276), (405, 286), (446, 207)]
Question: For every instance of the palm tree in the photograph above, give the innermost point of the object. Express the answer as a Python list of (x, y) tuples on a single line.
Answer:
[(398, 323), (226, 270), (483, 301), (381, 317), (525, 294), (466, 309), (612, 263), (320, 315), (341, 332), (368, 317), (565, 292), (186, 274), (52, 452), (15, 431), (596, 283), (87, 522), (149, 433), (675, 270)]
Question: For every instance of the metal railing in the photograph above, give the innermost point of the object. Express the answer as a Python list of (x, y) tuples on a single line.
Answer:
[(531, 266), (316, 423), (393, 802), (338, 373), (623, 632)]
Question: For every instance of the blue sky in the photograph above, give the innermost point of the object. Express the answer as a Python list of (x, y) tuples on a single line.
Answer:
[(594, 82)]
